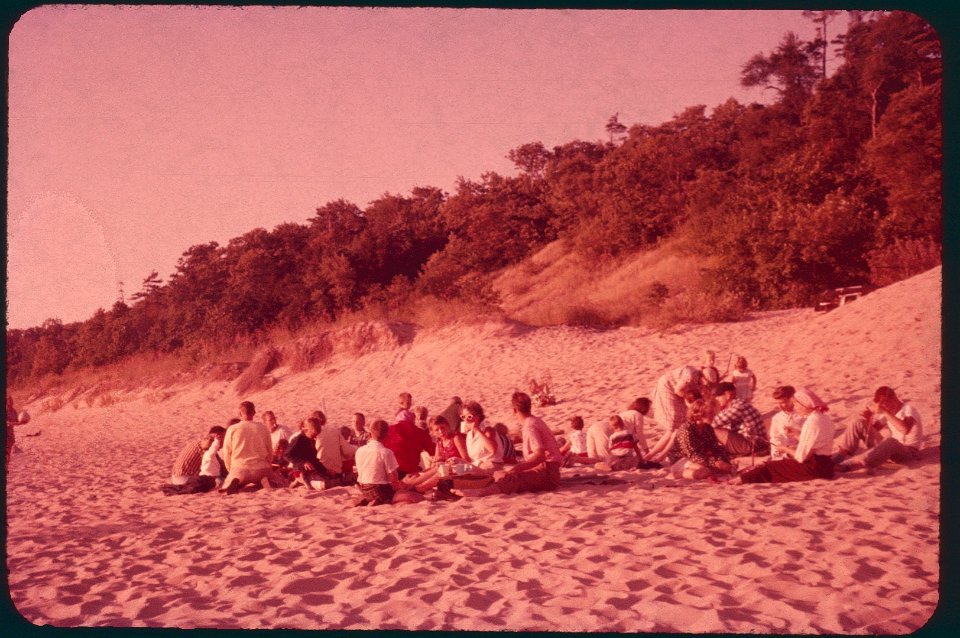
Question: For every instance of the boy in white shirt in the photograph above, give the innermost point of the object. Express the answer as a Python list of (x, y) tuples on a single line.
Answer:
[(901, 446), (785, 425), (376, 468)]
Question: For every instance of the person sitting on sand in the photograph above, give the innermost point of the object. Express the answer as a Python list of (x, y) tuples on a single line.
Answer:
[(333, 450), (739, 425), (211, 470), (785, 425), (624, 449), (703, 454), (540, 468), (633, 421), (452, 414), (510, 456), (279, 435), (576, 446), (422, 413), (376, 468), (403, 412), (302, 454), (187, 464), (743, 379), (247, 451), (598, 441), (359, 435), (811, 458), (902, 423), (407, 441), (451, 447), (483, 447)]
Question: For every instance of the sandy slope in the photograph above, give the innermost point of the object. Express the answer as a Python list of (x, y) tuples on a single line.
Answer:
[(92, 541)]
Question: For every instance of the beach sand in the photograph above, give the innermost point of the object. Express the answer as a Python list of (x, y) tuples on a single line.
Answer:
[(93, 542)]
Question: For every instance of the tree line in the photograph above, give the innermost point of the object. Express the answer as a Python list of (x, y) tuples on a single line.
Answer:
[(837, 181)]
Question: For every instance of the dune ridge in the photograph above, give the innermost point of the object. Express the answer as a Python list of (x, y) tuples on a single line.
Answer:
[(92, 542)]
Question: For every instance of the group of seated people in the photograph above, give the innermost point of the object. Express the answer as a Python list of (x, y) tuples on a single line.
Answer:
[(459, 453)]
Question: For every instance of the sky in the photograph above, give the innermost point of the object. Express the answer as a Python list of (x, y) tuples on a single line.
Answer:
[(137, 132)]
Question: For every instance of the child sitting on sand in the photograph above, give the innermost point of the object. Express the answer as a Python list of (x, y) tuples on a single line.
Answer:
[(575, 448), (624, 450), (376, 468)]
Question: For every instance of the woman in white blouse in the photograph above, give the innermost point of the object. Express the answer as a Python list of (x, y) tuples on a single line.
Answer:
[(811, 458), (483, 445)]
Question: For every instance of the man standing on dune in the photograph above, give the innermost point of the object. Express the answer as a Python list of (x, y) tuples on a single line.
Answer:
[(247, 451)]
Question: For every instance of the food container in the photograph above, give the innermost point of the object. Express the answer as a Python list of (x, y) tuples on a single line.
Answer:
[(462, 468), (445, 470)]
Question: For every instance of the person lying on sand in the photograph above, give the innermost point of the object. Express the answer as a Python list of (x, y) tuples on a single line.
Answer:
[(247, 451), (811, 458), (904, 433), (376, 468), (739, 425), (540, 468)]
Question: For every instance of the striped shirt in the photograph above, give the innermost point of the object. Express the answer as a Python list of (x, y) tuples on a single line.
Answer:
[(188, 462)]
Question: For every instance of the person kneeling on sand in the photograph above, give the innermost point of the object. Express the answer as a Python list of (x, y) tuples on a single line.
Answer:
[(901, 446), (540, 468), (704, 456), (376, 468), (811, 458), (247, 451)]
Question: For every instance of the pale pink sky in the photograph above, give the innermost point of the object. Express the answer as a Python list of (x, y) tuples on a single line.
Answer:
[(136, 132)]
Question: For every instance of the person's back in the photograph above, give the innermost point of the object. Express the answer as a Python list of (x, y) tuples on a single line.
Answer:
[(247, 450), (407, 441), (598, 440), (332, 449)]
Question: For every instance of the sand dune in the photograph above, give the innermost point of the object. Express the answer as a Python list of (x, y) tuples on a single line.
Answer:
[(92, 542)]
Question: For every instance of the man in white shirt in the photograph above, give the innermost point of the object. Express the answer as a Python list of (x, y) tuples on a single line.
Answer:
[(247, 451), (633, 421), (905, 433), (785, 425)]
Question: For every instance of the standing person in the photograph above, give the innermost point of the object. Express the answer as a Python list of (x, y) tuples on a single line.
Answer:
[(247, 451), (669, 405), (785, 425), (811, 458), (744, 379), (633, 421), (279, 436), (899, 418), (332, 449), (540, 468), (407, 441), (710, 375), (739, 425), (376, 468), (483, 445)]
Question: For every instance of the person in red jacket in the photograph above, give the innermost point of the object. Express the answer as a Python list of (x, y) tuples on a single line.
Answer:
[(407, 441)]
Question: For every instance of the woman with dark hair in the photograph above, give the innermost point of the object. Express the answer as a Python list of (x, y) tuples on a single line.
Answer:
[(483, 444)]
